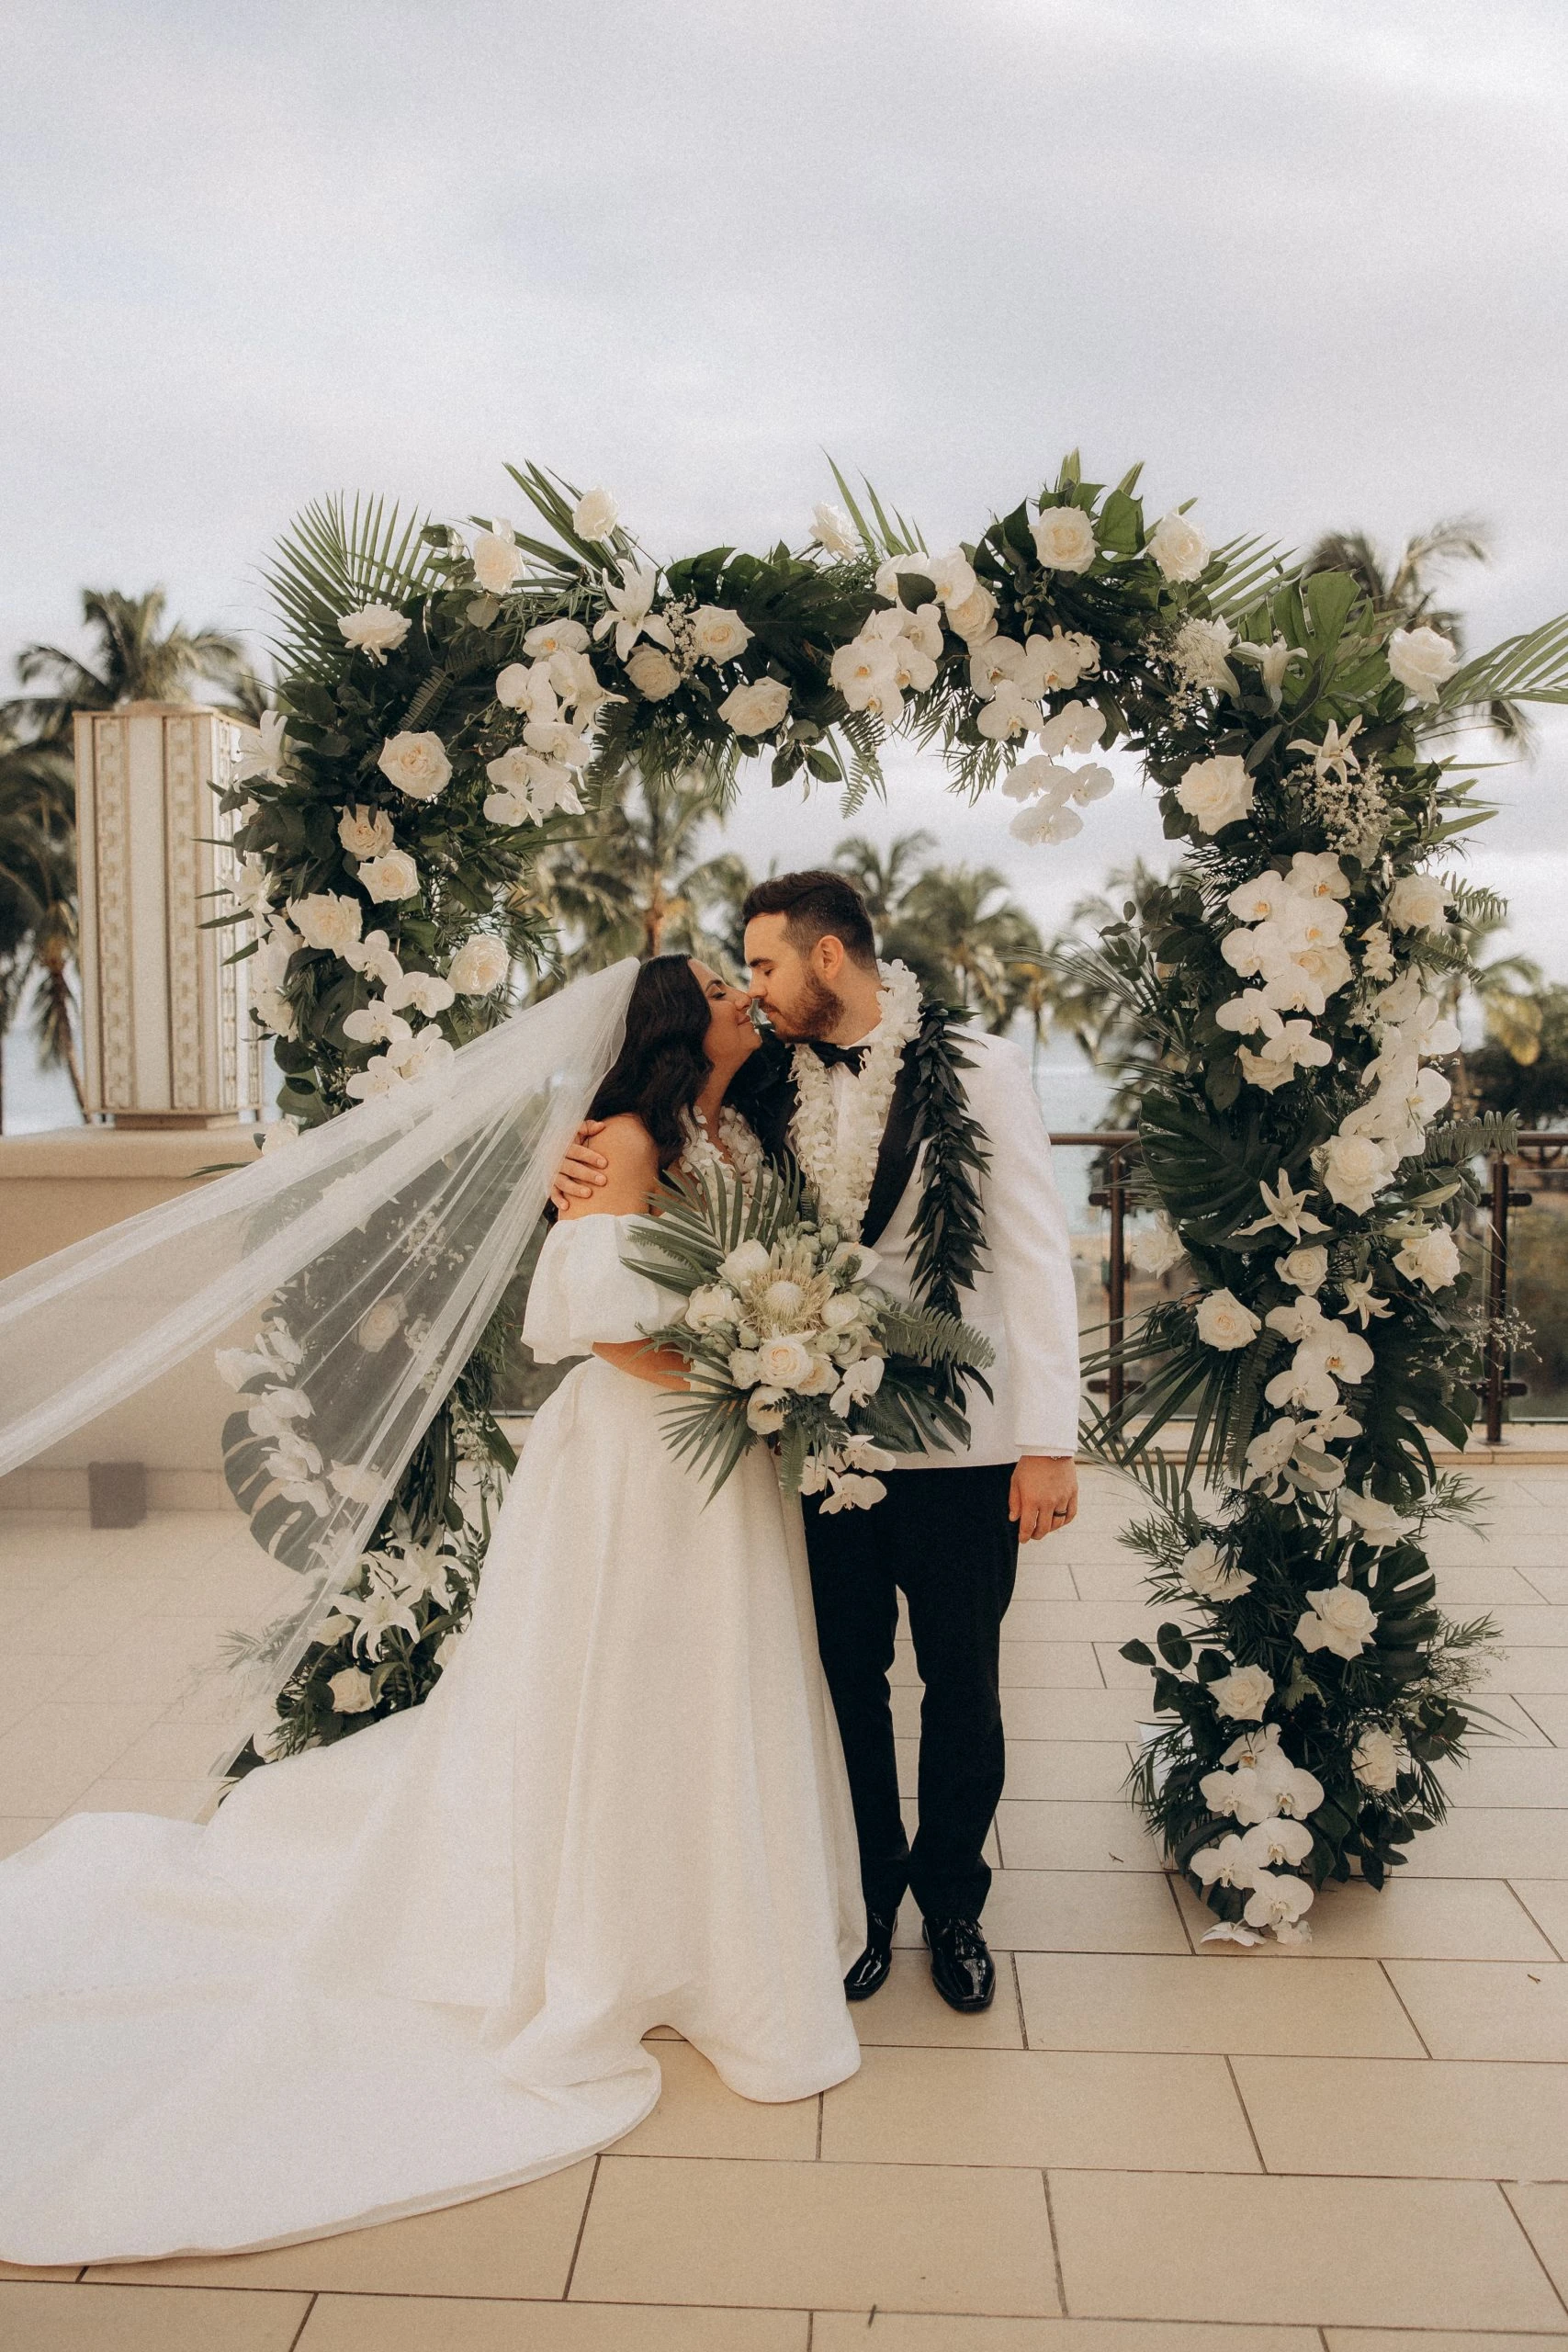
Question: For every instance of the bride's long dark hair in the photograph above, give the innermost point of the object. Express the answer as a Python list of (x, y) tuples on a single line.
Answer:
[(661, 1068)]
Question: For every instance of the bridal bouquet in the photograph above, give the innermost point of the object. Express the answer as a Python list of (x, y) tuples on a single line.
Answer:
[(790, 1347)]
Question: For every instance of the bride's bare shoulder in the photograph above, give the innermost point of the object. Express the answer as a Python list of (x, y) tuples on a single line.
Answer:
[(632, 1172)]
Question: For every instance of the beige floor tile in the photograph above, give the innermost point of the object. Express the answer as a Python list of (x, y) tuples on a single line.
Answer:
[(174, 1800), (1094, 1768), (1026, 2107), (1512, 1776), (910, 2332), (1080, 1620), (147, 2319), (1043, 1578), (1338, 2252), (1473, 1585), (1075, 1714), (1049, 1665), (422, 2323), (1538, 1669), (58, 1751), (1414, 1918), (1493, 1841), (1434, 2119), (1551, 1713), (1082, 1911), (1543, 2209), (841, 2237), (19, 1830), (1441, 2339), (1535, 1626), (910, 2012), (1546, 1900), (1065, 1834), (1511, 1725), (1487, 2008), (517, 2243), (697, 2116), (1319, 2008)]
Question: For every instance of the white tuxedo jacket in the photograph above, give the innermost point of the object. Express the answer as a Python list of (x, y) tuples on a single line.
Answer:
[(1023, 1298)]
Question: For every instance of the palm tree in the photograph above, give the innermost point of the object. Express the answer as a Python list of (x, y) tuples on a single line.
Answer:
[(632, 884), (1086, 998), (1405, 593), (134, 657), (966, 939), (1507, 989), (38, 903), (882, 881)]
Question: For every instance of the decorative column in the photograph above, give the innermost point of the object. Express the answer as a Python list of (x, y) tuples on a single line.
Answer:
[(167, 1033)]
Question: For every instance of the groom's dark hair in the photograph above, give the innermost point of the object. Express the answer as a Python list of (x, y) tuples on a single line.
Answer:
[(816, 905)]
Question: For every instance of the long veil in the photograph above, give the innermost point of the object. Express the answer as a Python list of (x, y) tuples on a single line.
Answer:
[(271, 1347)]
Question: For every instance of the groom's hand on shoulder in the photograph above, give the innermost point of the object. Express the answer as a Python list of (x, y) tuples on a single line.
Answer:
[(1044, 1496), (582, 1171)]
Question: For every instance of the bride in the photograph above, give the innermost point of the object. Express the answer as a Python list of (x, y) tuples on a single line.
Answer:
[(419, 1964)]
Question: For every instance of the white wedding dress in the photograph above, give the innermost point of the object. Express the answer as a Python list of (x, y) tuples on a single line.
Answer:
[(418, 1965)]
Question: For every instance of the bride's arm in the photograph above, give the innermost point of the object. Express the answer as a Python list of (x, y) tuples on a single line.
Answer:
[(631, 1176)]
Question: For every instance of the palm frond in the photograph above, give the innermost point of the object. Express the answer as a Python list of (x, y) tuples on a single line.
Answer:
[(334, 558), (1252, 568), (1530, 668)]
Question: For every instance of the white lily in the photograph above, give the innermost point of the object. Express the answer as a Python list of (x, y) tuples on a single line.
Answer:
[(1333, 758), (1286, 1208), (1272, 660), (631, 613)]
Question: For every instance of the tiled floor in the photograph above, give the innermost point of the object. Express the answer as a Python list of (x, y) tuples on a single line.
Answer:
[(1145, 2147)]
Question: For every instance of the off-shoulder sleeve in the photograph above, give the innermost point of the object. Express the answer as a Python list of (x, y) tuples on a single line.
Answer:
[(582, 1293)]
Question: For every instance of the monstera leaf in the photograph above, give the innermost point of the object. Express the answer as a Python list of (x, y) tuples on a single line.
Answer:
[(1208, 1165)]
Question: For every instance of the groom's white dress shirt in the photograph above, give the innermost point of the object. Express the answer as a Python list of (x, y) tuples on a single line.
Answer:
[(1023, 1298)]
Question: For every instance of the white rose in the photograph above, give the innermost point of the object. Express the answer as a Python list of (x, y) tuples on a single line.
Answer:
[(1340, 1619), (1355, 1169), (497, 560), (1215, 792), (1208, 1573), (327, 921), (952, 576), (480, 966), (417, 764), (765, 1412), (785, 1361), (1416, 902), (594, 516), (1064, 538), (1224, 1323), (1374, 1759), (652, 673), (711, 1306), (1178, 548), (975, 620), (1305, 1269), (833, 530), (1432, 1258), (1155, 1248), (755, 709), (744, 1264), (718, 634), (842, 1309), (380, 1323), (1423, 660), (393, 876), (375, 630), (364, 833), (353, 1692), (1243, 1693)]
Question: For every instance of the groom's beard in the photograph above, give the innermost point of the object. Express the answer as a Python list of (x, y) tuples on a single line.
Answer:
[(816, 1013)]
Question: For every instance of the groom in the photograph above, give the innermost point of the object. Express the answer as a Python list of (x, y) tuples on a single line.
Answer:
[(926, 1140)]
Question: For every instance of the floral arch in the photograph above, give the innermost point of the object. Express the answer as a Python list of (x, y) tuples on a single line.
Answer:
[(453, 703)]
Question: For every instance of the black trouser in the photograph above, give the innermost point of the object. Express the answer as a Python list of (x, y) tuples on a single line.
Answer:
[(944, 1539)]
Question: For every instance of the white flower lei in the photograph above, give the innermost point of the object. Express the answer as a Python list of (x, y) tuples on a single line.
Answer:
[(839, 1162), (737, 1152)]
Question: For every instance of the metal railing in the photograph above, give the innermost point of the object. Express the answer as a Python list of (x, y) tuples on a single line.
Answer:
[(1541, 1151)]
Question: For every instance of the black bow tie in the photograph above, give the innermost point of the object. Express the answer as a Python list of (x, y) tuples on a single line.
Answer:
[(852, 1057)]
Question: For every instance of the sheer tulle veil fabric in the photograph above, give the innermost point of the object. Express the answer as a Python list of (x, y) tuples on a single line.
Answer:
[(338, 1285)]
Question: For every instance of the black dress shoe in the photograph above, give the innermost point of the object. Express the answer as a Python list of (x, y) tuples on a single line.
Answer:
[(962, 1968), (869, 1972)]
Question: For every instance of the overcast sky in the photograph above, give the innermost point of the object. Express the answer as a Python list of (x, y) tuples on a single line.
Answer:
[(1307, 259)]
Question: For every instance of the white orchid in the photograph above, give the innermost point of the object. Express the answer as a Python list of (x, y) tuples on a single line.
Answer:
[(1279, 1901), (1227, 1863), (1281, 1840), (1376, 1523)]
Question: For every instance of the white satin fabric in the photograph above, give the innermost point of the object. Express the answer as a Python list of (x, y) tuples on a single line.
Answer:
[(419, 1965)]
